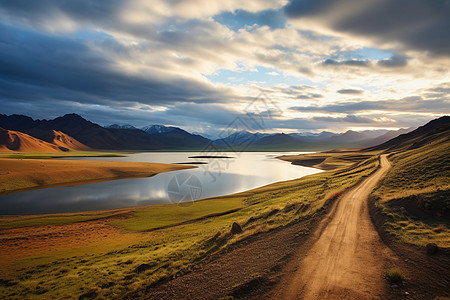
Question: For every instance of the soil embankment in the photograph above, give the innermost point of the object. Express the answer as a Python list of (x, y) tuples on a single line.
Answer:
[(23, 174)]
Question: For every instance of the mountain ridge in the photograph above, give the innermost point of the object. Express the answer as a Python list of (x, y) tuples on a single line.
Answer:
[(161, 137), (98, 137), (433, 131), (16, 141)]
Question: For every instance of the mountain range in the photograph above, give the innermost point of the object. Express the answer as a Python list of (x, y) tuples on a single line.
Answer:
[(72, 129), (435, 131), (98, 137), (307, 141)]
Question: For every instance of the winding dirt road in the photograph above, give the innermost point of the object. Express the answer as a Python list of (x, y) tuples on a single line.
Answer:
[(348, 258)]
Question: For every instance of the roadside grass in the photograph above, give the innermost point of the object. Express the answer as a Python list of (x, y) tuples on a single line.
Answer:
[(414, 195), (138, 259), (23, 155), (395, 275)]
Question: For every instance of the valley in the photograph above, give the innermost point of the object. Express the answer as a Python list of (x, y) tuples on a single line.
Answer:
[(159, 251)]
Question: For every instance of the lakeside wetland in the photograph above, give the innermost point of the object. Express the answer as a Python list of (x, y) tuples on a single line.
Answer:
[(235, 173)]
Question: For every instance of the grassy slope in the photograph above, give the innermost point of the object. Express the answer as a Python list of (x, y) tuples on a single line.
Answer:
[(416, 177), (107, 267)]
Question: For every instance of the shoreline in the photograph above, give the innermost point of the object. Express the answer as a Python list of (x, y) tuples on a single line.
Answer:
[(20, 175), (24, 170)]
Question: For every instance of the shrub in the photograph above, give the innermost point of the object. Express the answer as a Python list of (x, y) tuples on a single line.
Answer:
[(395, 275)]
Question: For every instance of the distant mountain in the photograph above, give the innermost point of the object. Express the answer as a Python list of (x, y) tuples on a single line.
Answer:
[(278, 138), (124, 126), (180, 139), (157, 129), (278, 141), (16, 141), (98, 137), (309, 136), (305, 141), (437, 130), (351, 136), (71, 131), (239, 139), (386, 137)]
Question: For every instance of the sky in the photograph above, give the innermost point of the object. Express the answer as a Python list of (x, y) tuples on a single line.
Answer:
[(212, 66)]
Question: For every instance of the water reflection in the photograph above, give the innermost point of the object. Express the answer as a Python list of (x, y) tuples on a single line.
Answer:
[(247, 171)]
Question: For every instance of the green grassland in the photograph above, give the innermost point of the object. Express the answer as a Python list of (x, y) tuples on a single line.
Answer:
[(11, 222), (190, 233), (414, 195)]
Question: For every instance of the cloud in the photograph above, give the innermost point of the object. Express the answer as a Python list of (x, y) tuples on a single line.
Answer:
[(170, 61), (347, 119), (417, 24), (126, 16), (349, 63), (309, 96), (66, 69), (408, 104), (395, 61), (350, 91)]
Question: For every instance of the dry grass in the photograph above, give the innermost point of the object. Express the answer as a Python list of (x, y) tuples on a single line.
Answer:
[(420, 174), (395, 275), (107, 265)]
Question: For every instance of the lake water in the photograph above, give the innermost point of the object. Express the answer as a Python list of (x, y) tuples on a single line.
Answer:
[(219, 176)]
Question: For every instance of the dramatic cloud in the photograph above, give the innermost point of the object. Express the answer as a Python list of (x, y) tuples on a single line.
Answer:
[(410, 104), (62, 68), (348, 119), (199, 64), (418, 24)]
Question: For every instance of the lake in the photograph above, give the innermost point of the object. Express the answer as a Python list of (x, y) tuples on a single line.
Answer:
[(213, 177)]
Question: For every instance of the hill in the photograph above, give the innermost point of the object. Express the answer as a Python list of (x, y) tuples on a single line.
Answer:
[(414, 195), (15, 141), (386, 137), (63, 140), (433, 131)]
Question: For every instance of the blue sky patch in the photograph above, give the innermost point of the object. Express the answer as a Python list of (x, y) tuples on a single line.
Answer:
[(241, 18)]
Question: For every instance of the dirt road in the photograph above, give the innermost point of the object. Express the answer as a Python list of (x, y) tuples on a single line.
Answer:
[(348, 258)]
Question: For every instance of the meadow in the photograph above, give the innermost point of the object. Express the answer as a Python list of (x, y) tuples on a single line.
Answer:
[(137, 247), (414, 195)]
